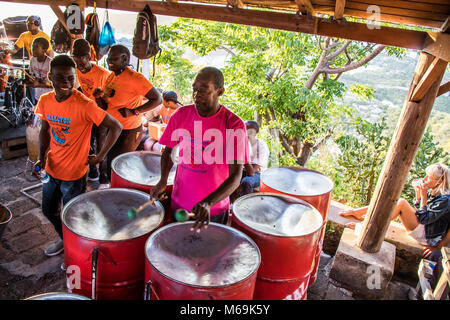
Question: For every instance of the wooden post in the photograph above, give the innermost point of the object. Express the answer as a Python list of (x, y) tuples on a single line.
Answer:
[(403, 148)]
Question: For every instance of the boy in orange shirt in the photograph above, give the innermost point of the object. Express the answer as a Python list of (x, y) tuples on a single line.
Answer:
[(90, 77), (122, 97), (67, 118)]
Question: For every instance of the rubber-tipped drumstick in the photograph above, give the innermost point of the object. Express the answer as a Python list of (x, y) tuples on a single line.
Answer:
[(182, 215), (132, 213)]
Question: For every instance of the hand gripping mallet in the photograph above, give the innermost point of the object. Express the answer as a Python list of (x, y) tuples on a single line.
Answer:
[(132, 213), (182, 215)]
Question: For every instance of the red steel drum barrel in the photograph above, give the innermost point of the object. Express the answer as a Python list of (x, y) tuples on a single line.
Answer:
[(105, 246), (219, 263), (57, 296), (287, 232), (305, 184), (140, 170)]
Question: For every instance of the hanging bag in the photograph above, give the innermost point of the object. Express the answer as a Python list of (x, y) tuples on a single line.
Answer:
[(145, 40), (106, 38), (92, 35), (60, 38)]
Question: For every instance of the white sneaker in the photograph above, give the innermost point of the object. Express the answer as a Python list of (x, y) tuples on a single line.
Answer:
[(54, 249), (104, 186)]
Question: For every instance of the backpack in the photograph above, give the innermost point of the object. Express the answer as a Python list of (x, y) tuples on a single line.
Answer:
[(145, 40), (60, 38), (72, 13), (92, 34)]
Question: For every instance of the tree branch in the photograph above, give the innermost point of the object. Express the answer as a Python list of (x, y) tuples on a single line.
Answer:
[(338, 51), (285, 144), (323, 140), (356, 64), (227, 50)]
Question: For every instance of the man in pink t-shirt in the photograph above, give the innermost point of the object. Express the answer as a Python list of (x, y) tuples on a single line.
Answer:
[(213, 148)]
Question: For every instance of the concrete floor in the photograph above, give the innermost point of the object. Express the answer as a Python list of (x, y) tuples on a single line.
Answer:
[(25, 270)]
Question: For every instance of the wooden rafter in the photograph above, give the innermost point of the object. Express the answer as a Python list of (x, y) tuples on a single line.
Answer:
[(438, 44), (446, 25), (339, 9), (444, 88), (307, 4), (410, 39), (60, 15), (434, 70)]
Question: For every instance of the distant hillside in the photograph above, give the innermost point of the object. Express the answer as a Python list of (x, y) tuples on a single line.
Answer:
[(391, 77)]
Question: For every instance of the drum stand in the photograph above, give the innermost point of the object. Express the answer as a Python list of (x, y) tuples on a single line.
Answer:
[(24, 191), (21, 111)]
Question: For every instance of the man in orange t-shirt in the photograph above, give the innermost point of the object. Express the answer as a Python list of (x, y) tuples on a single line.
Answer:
[(122, 98), (67, 118), (90, 77)]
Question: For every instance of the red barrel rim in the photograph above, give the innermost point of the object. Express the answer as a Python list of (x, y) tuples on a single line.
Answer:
[(68, 204), (150, 239), (279, 195), (118, 158), (298, 169)]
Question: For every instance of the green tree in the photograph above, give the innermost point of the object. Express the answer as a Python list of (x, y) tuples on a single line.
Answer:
[(289, 80), (361, 159), (173, 71)]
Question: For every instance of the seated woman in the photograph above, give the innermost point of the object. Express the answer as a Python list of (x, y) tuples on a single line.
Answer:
[(430, 223)]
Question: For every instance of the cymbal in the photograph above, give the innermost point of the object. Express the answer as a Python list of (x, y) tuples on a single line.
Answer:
[(7, 66)]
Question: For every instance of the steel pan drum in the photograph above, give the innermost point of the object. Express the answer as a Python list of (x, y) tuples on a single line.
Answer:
[(33, 127), (140, 170), (287, 232), (219, 263), (57, 296), (309, 185), (105, 244)]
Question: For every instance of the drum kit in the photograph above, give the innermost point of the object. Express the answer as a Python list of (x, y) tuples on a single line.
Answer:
[(18, 108)]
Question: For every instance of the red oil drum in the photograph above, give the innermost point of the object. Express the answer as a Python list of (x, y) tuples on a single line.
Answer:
[(140, 170), (57, 296), (287, 232), (219, 263), (309, 185), (103, 246)]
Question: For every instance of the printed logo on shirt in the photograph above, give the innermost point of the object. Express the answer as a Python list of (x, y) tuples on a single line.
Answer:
[(60, 128), (87, 85)]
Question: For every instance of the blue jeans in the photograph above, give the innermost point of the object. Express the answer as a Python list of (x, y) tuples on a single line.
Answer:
[(55, 190), (248, 183)]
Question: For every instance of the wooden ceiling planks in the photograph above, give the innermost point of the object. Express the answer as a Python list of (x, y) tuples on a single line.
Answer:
[(319, 25)]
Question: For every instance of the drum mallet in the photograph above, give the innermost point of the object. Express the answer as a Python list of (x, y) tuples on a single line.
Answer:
[(182, 215), (132, 213)]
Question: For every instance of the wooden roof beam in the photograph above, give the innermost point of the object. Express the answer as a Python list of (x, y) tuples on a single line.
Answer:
[(444, 88), (410, 39), (306, 4), (339, 9), (438, 44), (435, 70), (446, 25)]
